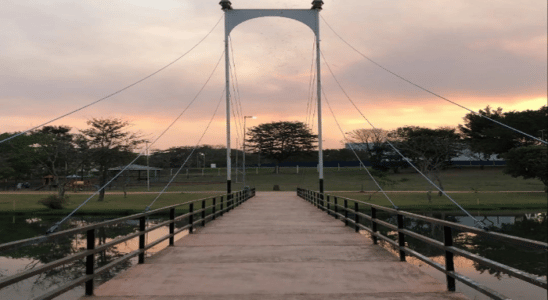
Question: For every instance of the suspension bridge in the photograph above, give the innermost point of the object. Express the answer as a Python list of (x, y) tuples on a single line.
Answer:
[(275, 245)]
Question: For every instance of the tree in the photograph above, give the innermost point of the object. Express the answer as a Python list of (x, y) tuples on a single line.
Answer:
[(481, 134), (373, 142), (56, 153), (429, 149), (16, 159), (528, 162), (110, 144), (281, 140), (487, 138)]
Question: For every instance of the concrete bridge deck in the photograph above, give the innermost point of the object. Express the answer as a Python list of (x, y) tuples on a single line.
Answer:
[(274, 246)]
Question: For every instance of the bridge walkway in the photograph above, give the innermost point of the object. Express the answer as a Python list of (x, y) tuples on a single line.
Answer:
[(274, 246)]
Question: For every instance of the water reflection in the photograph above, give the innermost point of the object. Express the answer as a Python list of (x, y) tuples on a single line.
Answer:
[(532, 260), (26, 258), (529, 226)]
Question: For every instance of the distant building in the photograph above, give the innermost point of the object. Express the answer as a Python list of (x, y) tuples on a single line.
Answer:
[(465, 157)]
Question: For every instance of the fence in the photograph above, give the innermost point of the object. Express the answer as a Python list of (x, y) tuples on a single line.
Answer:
[(334, 208), (195, 216)]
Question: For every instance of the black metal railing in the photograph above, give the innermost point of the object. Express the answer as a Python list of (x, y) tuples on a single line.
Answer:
[(226, 203), (322, 201)]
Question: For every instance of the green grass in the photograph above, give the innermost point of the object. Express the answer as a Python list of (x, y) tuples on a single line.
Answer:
[(349, 180), (352, 179), (113, 204), (470, 201), (345, 179)]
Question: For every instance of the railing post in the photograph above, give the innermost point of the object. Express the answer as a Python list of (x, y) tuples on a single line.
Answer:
[(191, 217), (356, 216), (318, 204), (374, 224), (322, 203), (222, 206), (401, 237), (142, 228), (172, 226), (214, 208), (203, 212), (449, 264), (345, 212), (336, 204), (328, 206), (90, 261)]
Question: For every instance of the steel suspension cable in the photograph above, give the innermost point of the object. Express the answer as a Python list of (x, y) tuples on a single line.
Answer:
[(400, 154), (116, 92), (310, 94), (430, 92), (235, 104), (190, 155), (54, 227), (352, 148), (237, 87)]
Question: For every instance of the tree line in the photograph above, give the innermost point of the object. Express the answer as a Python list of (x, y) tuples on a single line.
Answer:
[(58, 151), (432, 149)]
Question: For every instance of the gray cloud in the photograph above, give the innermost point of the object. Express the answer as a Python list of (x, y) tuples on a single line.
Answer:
[(59, 56)]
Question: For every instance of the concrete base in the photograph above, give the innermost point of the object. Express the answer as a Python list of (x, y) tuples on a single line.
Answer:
[(275, 246)]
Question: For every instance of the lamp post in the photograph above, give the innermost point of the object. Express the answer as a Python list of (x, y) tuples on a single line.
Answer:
[(203, 154), (245, 118), (148, 171)]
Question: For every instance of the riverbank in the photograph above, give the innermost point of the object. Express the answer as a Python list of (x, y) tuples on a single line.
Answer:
[(415, 201), (114, 204), (485, 201)]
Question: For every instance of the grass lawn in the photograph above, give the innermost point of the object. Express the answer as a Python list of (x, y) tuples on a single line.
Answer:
[(470, 201), (489, 183), (347, 179)]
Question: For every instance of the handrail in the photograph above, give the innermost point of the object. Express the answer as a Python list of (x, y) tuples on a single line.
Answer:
[(322, 201), (226, 203), (52, 236)]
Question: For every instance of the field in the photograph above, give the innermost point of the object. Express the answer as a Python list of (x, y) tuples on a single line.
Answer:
[(475, 189)]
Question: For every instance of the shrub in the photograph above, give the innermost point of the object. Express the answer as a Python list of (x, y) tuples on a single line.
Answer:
[(54, 201)]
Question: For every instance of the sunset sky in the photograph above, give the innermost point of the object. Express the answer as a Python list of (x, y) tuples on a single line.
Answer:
[(57, 56)]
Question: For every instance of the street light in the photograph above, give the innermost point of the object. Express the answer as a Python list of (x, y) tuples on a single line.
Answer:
[(203, 154), (245, 118), (148, 171)]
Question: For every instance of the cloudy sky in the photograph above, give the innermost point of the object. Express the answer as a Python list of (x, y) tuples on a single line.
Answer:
[(56, 56)]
